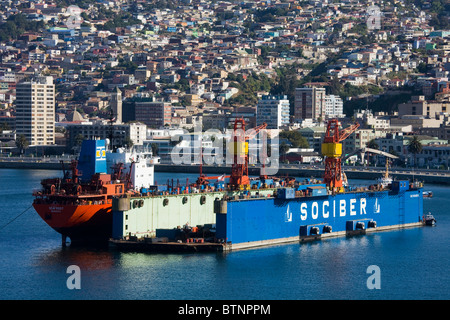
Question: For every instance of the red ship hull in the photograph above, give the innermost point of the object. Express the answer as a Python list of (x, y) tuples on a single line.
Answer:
[(79, 205), (87, 223)]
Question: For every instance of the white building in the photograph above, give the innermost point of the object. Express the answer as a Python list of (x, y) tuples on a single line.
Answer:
[(273, 110), (35, 110), (334, 106), (378, 121), (198, 89), (136, 131)]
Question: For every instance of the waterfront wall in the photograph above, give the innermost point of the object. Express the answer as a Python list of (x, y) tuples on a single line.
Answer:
[(24, 164), (435, 177)]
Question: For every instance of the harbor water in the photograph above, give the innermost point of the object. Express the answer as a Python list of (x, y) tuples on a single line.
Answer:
[(411, 263)]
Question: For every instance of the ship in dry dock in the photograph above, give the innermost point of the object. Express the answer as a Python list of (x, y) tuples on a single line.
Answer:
[(92, 204)]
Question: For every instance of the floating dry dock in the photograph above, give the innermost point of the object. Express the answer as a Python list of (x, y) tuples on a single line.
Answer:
[(222, 221)]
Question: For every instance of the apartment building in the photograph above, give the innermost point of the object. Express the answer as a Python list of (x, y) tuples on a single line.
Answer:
[(422, 107), (434, 156), (360, 138), (137, 132), (35, 110), (334, 107), (273, 110), (309, 103), (154, 114)]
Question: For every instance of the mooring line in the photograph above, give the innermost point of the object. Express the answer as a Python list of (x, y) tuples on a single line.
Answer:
[(1, 228)]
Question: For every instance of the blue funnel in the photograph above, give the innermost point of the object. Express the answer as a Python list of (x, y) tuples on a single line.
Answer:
[(92, 158)]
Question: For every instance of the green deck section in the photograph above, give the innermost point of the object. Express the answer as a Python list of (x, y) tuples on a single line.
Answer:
[(168, 212)]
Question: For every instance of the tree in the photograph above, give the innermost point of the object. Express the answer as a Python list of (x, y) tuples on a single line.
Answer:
[(372, 144), (422, 67), (128, 142), (22, 143), (4, 126), (16, 25), (284, 149), (79, 140), (415, 147), (295, 138)]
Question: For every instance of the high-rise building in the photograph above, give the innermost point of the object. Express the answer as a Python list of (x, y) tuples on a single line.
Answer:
[(273, 110), (334, 106), (309, 103), (35, 110)]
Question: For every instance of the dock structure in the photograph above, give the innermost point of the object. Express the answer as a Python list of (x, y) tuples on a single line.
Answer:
[(142, 245), (169, 246), (284, 215)]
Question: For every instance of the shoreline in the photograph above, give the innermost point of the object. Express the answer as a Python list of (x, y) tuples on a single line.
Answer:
[(433, 177)]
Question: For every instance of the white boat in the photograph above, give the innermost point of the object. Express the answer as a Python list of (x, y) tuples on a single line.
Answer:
[(429, 219), (427, 194), (386, 179)]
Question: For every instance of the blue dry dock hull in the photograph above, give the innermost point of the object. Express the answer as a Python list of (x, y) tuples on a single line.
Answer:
[(256, 220)]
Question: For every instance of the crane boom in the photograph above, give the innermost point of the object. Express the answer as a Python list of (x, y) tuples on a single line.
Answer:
[(344, 133), (255, 131)]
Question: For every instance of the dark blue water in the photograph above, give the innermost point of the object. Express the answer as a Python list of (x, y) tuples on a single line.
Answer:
[(413, 262)]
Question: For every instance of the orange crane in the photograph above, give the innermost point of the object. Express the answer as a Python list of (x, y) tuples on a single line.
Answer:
[(332, 151), (239, 179)]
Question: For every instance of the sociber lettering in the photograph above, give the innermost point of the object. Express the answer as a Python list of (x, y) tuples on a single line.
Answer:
[(335, 208)]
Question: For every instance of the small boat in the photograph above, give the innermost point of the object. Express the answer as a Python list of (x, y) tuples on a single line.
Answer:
[(429, 220), (386, 179), (427, 194)]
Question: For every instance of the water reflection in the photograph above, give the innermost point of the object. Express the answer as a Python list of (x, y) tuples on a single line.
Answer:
[(85, 258)]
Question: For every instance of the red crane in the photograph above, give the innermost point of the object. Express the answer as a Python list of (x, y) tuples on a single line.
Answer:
[(332, 150), (239, 147)]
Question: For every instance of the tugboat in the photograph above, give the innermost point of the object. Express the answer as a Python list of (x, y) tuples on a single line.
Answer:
[(427, 194), (429, 220), (79, 205), (386, 179)]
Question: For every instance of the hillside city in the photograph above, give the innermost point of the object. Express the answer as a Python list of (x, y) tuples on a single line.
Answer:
[(141, 72)]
